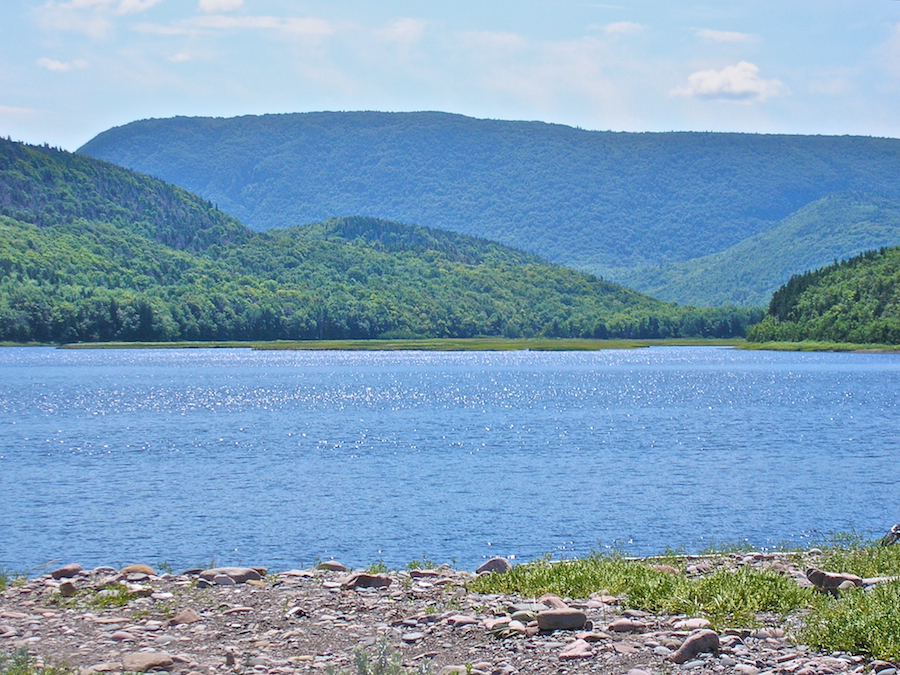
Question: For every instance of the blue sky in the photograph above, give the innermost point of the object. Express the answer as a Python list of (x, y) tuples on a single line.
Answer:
[(70, 69)]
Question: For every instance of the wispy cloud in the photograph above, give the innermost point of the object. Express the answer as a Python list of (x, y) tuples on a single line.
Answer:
[(180, 57), (623, 28), (403, 31), (90, 17), (492, 40), (723, 35), (303, 26), (61, 66), (10, 110), (216, 6), (734, 83)]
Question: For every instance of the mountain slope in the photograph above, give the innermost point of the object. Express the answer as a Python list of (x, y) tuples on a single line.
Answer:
[(835, 227), (856, 300), (603, 202), (47, 187), (96, 252)]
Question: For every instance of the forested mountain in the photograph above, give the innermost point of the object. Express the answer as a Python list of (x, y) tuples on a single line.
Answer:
[(840, 226), (617, 204), (856, 300), (90, 251)]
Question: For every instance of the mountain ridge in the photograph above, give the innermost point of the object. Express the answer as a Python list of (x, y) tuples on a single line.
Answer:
[(605, 202), (116, 255)]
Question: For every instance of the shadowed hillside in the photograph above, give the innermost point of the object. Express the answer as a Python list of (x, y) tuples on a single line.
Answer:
[(615, 204), (93, 252)]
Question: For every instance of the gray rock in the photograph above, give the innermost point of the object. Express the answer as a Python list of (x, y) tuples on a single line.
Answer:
[(561, 619), (240, 575), (224, 580), (122, 636), (499, 565), (141, 662), (138, 569), (365, 580), (534, 607), (67, 589), (553, 601), (627, 626), (332, 566), (697, 643), (831, 581), (576, 650), (413, 637), (66, 571), (186, 616), (746, 669)]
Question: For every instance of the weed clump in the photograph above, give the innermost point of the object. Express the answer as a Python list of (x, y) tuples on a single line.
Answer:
[(726, 597), (859, 622), (22, 663), (384, 661)]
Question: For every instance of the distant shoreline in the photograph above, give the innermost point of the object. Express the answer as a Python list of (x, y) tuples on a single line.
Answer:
[(480, 344)]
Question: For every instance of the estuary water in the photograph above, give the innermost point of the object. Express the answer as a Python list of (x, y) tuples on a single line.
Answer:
[(233, 456)]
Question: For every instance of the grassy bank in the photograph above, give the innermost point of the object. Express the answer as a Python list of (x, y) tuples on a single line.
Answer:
[(813, 346), (443, 344), (731, 595)]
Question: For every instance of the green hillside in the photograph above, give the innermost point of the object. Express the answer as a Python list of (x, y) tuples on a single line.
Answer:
[(857, 301), (835, 227), (603, 202), (93, 252)]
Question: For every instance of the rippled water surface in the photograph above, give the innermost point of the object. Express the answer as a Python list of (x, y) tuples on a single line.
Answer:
[(279, 458)]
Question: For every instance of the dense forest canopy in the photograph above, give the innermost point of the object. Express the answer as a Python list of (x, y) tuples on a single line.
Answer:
[(835, 227), (645, 209), (90, 251), (855, 300)]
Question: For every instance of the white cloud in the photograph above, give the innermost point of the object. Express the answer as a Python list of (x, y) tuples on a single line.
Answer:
[(214, 6), (61, 66), (403, 31), (492, 40), (623, 28), (734, 83), (160, 29), (90, 17), (135, 6), (294, 25), (8, 110), (181, 57), (723, 35)]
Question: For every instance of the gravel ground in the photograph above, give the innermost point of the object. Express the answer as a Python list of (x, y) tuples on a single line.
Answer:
[(245, 620)]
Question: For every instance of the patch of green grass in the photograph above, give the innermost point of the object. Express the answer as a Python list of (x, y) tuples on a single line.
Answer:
[(423, 564), (727, 597), (10, 578), (112, 595), (21, 663), (813, 346), (858, 622), (383, 661), (869, 561), (378, 568)]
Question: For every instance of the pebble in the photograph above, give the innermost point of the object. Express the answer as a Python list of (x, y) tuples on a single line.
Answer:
[(561, 619), (576, 650), (66, 571), (140, 662), (239, 575), (499, 565), (704, 640)]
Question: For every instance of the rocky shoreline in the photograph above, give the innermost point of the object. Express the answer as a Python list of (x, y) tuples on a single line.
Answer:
[(245, 620)]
